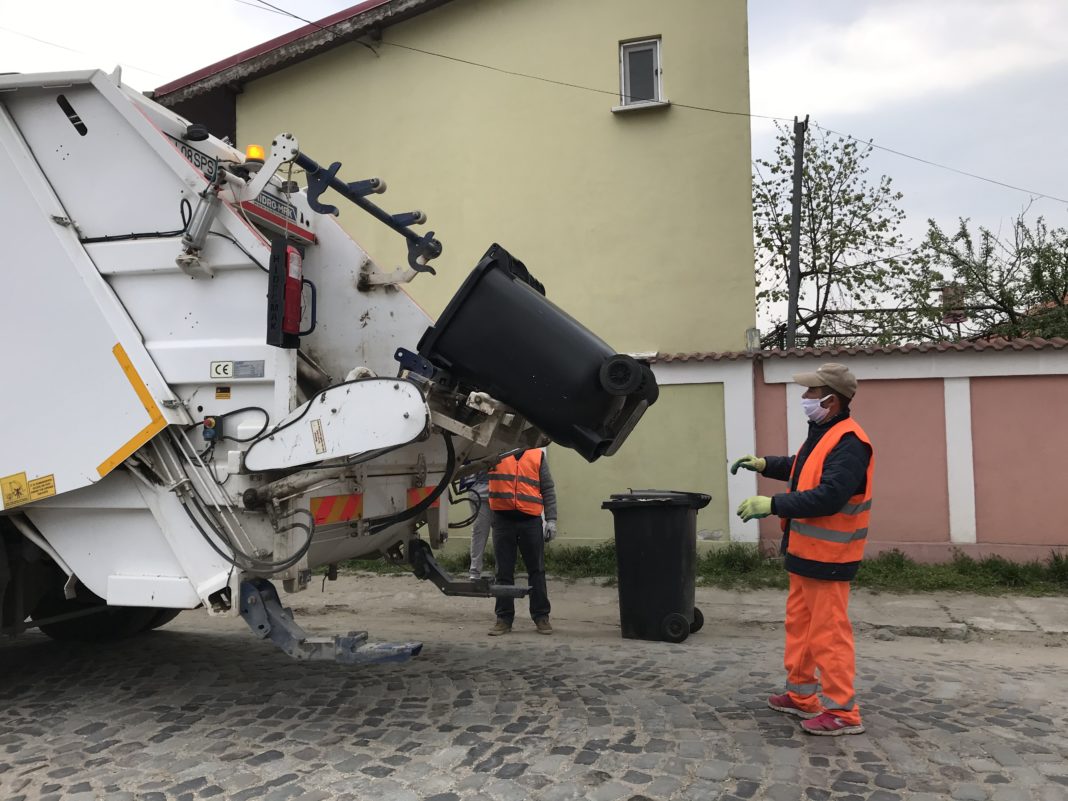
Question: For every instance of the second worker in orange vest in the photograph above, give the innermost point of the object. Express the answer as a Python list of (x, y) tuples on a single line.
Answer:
[(521, 489), (824, 518)]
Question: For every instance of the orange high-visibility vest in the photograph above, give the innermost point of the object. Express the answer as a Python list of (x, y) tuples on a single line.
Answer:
[(515, 484), (839, 537)]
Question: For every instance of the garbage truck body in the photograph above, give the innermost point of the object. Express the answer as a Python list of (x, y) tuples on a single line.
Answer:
[(208, 385)]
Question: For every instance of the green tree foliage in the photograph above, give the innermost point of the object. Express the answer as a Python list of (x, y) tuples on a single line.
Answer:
[(849, 247), (977, 285)]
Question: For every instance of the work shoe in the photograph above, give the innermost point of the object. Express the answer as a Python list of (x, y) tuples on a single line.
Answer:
[(784, 703), (831, 725), (543, 625), (499, 628)]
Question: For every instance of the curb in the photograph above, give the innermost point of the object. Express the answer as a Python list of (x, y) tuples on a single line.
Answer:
[(952, 631)]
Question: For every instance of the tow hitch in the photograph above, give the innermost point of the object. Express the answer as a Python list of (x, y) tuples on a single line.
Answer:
[(268, 619)]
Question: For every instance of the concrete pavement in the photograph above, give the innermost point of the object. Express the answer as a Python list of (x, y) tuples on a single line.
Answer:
[(941, 615)]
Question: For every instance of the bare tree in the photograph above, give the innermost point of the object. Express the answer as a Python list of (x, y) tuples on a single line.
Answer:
[(850, 246)]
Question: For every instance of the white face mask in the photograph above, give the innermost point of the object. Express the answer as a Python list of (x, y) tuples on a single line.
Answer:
[(813, 410)]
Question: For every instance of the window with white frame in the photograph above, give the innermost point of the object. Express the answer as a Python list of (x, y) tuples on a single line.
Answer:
[(639, 72)]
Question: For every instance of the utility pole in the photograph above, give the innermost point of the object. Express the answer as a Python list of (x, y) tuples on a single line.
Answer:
[(794, 283)]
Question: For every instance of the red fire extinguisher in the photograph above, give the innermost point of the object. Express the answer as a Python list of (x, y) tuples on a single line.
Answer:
[(291, 305), (285, 285)]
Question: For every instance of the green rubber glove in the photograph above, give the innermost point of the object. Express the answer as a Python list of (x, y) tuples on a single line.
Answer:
[(756, 507), (754, 463)]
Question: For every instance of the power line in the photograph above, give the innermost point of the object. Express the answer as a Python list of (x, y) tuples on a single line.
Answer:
[(870, 143), (278, 9), (265, 6), (72, 50), (611, 92), (258, 7)]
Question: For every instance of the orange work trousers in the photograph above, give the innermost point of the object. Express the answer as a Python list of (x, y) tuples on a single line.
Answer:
[(820, 637)]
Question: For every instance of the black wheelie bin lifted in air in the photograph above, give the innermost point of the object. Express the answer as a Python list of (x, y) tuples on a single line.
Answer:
[(499, 334), (656, 562)]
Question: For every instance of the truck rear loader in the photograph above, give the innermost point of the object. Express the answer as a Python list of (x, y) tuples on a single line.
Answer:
[(209, 387)]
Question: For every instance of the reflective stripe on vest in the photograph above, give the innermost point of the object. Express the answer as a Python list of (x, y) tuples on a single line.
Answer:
[(515, 484), (536, 482), (839, 537), (827, 534)]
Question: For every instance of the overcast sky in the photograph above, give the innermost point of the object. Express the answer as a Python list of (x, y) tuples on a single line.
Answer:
[(978, 85)]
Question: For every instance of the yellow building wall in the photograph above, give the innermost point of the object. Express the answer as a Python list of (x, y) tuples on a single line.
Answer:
[(679, 445), (638, 223)]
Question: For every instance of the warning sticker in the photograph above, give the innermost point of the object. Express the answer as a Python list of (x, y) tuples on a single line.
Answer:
[(43, 487), (222, 393), (317, 436), (417, 494), (336, 508), (16, 490)]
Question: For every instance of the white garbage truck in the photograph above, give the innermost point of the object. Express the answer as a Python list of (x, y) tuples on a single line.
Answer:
[(209, 386)]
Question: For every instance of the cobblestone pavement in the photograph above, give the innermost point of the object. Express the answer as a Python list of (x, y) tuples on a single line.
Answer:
[(198, 711)]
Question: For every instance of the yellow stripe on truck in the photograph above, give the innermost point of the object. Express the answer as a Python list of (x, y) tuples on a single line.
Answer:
[(156, 424)]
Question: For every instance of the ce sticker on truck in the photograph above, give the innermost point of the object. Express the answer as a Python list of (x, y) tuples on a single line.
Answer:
[(222, 369), (238, 369)]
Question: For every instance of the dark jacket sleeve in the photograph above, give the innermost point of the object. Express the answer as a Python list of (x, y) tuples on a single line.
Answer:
[(548, 490), (844, 475), (778, 467)]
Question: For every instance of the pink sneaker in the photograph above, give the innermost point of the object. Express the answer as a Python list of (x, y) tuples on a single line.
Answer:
[(784, 703), (830, 725)]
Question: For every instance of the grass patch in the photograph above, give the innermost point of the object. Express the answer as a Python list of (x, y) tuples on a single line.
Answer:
[(565, 561), (741, 566), (456, 564), (738, 566), (581, 562), (992, 575)]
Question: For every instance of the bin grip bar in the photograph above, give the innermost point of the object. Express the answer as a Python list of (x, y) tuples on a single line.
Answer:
[(421, 247), (425, 566)]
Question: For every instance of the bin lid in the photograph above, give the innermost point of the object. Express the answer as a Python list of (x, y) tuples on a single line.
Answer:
[(632, 498)]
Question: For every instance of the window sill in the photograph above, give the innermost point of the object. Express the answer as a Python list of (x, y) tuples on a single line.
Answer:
[(645, 104)]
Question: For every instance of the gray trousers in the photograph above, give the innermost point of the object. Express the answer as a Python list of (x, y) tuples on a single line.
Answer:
[(480, 531), (526, 537)]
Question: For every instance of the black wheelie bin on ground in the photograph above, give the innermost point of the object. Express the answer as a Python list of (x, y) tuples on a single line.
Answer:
[(656, 562)]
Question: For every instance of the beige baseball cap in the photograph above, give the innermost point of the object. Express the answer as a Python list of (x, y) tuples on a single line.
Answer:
[(836, 376)]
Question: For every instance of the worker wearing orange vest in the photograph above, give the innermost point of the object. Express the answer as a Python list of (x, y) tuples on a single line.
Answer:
[(521, 490), (824, 518)]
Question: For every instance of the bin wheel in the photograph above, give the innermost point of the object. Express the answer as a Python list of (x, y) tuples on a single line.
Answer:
[(675, 627), (698, 621), (649, 390), (621, 375)]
